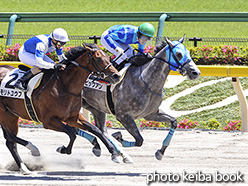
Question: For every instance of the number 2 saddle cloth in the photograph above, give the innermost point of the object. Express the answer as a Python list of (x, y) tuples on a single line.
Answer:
[(8, 90)]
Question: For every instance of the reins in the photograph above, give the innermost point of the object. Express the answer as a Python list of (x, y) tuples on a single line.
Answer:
[(97, 72), (180, 66)]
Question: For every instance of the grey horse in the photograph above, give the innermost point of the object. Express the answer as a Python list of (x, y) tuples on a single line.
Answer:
[(140, 94)]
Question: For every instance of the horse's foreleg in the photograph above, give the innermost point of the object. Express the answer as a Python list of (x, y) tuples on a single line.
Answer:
[(83, 124), (57, 125), (100, 120), (125, 157), (130, 125), (92, 139), (160, 116)]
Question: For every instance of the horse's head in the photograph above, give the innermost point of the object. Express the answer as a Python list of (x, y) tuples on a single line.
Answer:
[(98, 62), (179, 59)]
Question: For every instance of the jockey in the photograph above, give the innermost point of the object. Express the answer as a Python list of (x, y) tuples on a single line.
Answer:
[(119, 37), (33, 53)]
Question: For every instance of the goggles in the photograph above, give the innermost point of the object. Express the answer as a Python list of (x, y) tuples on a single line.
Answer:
[(58, 43), (145, 38)]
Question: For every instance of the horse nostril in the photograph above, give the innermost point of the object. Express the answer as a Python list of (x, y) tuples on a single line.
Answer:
[(116, 76), (194, 73)]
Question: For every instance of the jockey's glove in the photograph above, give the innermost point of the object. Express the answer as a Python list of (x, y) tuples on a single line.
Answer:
[(59, 66), (149, 55), (119, 51)]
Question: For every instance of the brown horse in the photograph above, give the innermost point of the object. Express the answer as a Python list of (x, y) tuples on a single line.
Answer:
[(58, 100)]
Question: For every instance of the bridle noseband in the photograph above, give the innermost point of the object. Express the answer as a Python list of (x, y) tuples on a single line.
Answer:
[(179, 66), (98, 71)]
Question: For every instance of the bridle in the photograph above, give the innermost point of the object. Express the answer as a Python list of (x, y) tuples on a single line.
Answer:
[(98, 71), (179, 66)]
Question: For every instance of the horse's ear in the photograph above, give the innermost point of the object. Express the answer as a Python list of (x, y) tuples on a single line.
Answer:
[(182, 39), (169, 42), (87, 48)]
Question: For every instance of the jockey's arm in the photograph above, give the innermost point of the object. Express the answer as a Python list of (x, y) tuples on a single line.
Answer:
[(61, 55), (39, 55), (43, 64), (110, 41)]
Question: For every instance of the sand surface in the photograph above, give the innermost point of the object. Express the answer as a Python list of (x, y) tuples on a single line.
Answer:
[(191, 156)]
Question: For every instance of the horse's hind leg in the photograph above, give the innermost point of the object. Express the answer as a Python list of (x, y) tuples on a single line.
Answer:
[(13, 150), (160, 116), (10, 129)]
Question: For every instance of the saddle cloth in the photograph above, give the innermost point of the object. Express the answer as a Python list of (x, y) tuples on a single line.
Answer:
[(107, 88), (8, 90), (95, 83)]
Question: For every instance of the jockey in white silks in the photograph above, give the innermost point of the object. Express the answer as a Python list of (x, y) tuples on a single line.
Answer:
[(119, 37), (34, 50)]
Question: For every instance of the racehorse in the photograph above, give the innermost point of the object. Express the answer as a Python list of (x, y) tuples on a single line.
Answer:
[(140, 94), (57, 101)]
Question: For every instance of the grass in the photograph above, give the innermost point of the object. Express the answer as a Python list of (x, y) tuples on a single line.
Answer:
[(176, 29), (207, 95), (218, 92), (223, 114)]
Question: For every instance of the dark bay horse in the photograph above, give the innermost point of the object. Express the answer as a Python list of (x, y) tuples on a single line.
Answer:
[(58, 100), (140, 94)]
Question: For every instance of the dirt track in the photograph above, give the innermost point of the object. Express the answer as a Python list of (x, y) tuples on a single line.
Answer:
[(190, 152)]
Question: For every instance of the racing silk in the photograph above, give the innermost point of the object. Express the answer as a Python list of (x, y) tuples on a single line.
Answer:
[(126, 34), (41, 45)]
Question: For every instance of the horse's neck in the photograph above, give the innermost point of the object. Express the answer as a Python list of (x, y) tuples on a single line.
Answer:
[(156, 71), (74, 79)]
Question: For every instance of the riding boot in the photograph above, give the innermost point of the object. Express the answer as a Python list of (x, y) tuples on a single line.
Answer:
[(22, 82)]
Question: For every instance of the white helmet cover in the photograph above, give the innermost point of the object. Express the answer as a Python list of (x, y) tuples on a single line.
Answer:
[(59, 34)]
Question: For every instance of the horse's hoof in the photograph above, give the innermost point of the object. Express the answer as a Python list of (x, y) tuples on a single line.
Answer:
[(34, 150), (115, 159), (96, 149), (126, 158), (158, 155), (24, 170), (96, 152), (118, 136), (62, 150), (59, 149)]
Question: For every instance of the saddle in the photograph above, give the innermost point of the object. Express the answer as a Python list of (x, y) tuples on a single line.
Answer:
[(8, 90), (136, 60)]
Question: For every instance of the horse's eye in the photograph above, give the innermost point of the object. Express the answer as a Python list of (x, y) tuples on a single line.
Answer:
[(179, 56)]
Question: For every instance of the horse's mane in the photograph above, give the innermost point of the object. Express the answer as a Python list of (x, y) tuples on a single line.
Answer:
[(159, 47), (75, 52)]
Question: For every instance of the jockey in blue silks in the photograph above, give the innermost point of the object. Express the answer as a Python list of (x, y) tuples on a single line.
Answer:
[(119, 37), (34, 50)]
